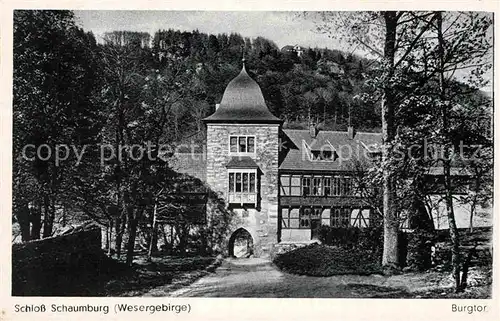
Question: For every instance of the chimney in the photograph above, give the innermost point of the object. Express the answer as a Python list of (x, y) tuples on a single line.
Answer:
[(313, 130), (217, 106), (350, 132)]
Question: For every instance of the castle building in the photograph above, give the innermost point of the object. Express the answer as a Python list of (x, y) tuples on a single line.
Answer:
[(281, 184), (242, 158)]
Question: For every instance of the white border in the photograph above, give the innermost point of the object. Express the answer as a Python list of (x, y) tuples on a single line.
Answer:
[(227, 309)]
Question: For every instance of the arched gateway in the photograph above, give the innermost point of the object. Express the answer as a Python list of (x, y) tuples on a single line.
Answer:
[(241, 244)]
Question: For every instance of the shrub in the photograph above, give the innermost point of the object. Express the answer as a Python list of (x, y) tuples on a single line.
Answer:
[(352, 237), (324, 260), (418, 250)]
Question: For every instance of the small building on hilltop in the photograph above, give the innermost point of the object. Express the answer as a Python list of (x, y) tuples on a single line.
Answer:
[(296, 49)]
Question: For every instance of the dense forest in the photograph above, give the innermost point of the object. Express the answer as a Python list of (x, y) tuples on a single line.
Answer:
[(315, 85)]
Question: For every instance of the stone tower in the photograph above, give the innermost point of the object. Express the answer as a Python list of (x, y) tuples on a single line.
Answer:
[(242, 161)]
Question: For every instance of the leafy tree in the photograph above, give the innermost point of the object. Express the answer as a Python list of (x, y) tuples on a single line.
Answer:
[(461, 44), (144, 106), (55, 80), (390, 37)]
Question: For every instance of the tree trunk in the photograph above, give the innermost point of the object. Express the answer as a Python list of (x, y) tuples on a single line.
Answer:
[(455, 249), (120, 228), (390, 256), (463, 282), (182, 231), (471, 218), (452, 225), (474, 204), (23, 218), (165, 240), (110, 236), (48, 217), (132, 233), (153, 243), (36, 221)]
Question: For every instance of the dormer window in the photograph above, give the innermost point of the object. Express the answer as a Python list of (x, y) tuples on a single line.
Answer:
[(242, 145), (323, 155)]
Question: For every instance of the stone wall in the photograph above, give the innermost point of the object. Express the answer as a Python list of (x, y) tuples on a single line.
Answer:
[(261, 222), (53, 265)]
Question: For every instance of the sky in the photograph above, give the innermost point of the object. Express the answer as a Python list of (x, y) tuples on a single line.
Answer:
[(284, 28)]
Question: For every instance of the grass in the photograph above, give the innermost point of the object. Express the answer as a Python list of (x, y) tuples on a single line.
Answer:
[(101, 275), (167, 273), (324, 260), (479, 292)]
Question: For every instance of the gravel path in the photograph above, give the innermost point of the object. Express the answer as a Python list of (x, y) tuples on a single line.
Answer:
[(260, 278)]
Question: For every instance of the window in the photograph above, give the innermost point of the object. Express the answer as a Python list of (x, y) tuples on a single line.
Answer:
[(360, 217), (340, 217), (243, 186), (231, 182), (252, 183), (242, 182), (336, 186), (316, 213), (305, 218), (242, 144), (317, 189), (295, 185), (341, 186), (285, 184), (251, 144), (322, 155), (294, 217), (290, 218), (238, 183), (325, 217), (347, 186), (306, 186), (232, 142), (245, 182), (327, 185)]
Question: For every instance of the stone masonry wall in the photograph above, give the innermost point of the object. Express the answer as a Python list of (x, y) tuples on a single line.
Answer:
[(261, 223), (53, 265)]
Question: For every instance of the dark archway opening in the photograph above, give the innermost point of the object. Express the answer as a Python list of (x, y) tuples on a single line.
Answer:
[(240, 244)]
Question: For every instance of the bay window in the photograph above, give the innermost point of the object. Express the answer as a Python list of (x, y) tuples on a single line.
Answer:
[(242, 186)]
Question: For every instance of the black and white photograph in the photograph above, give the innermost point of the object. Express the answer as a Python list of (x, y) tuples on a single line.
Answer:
[(252, 154)]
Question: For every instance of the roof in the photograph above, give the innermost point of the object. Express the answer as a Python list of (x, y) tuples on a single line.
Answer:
[(193, 164), (299, 143), (243, 102), (242, 162)]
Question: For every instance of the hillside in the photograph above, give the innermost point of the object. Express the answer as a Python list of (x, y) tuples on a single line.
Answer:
[(319, 84)]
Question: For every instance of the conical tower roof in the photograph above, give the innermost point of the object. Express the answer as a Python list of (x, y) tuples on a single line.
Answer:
[(243, 102)]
